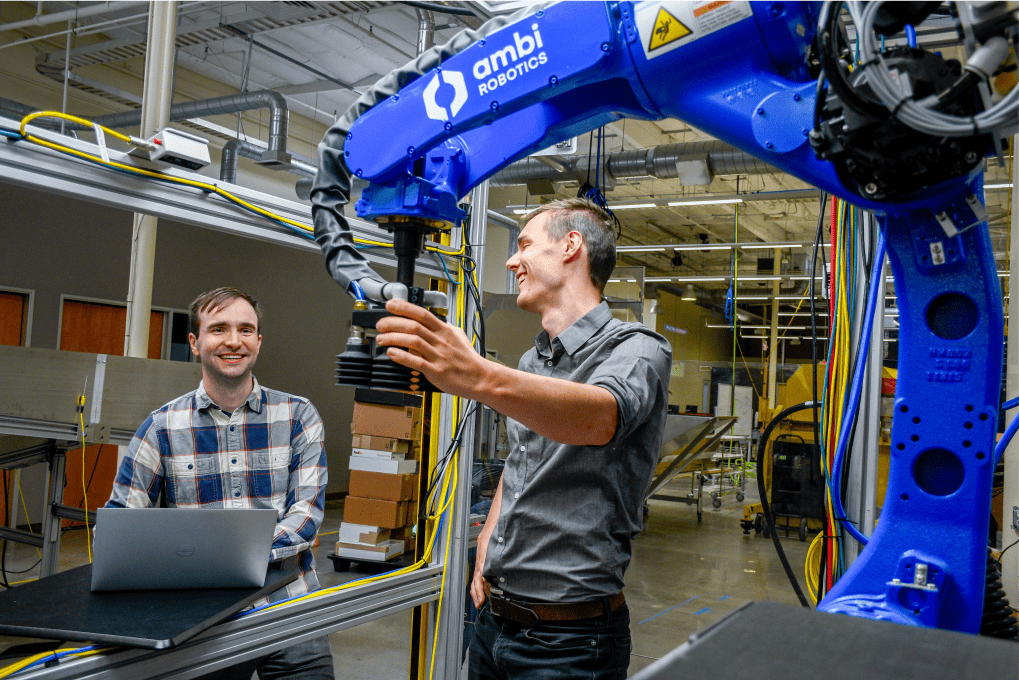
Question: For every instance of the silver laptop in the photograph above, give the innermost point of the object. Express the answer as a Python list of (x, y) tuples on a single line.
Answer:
[(181, 548)]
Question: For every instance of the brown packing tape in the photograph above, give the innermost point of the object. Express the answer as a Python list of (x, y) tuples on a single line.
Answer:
[(367, 441)]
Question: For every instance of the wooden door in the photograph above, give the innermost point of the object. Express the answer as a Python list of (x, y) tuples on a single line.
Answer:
[(97, 328), (13, 318)]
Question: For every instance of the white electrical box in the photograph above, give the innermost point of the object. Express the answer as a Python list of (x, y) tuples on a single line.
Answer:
[(180, 148)]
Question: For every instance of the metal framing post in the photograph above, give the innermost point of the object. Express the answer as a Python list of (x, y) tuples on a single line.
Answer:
[(156, 99), (50, 521), (1010, 497), (449, 641), (861, 494)]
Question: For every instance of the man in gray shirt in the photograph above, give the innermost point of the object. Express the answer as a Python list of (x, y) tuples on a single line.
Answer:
[(586, 412)]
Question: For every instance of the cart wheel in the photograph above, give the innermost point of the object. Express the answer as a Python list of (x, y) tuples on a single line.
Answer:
[(746, 526), (739, 498), (803, 529), (700, 516), (716, 503), (758, 523), (714, 496)]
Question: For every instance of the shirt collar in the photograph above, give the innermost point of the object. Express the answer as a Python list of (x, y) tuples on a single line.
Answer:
[(574, 337), (254, 400)]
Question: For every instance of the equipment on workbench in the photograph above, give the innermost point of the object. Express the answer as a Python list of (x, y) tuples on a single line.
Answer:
[(891, 136)]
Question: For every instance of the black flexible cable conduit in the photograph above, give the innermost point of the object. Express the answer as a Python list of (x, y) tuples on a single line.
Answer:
[(765, 506)]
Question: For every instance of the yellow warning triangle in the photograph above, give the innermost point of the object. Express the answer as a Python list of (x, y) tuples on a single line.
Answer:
[(667, 29)]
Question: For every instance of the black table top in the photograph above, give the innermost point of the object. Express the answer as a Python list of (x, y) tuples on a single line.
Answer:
[(769, 641), (62, 607)]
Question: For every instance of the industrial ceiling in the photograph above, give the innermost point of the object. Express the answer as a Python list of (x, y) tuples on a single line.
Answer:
[(320, 55)]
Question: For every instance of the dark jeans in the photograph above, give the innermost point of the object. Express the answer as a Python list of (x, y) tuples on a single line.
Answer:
[(595, 649), (311, 660)]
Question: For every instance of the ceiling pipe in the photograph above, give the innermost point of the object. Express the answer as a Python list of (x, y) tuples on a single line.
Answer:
[(426, 30), (72, 14), (696, 161)]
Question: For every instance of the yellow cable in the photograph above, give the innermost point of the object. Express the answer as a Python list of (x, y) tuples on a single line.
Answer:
[(211, 188), (84, 491)]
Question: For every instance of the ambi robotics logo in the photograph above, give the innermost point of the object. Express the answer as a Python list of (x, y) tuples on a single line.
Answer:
[(432, 107)]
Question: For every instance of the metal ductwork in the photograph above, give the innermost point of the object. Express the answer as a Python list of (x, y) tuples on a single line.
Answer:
[(695, 163), (235, 148)]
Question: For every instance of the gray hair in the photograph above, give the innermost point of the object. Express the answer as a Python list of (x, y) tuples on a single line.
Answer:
[(593, 223)]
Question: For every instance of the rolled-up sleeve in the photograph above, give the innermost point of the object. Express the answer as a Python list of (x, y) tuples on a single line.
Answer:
[(636, 372), (308, 475)]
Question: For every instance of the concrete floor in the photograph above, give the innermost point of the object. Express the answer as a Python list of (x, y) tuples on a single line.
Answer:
[(684, 576)]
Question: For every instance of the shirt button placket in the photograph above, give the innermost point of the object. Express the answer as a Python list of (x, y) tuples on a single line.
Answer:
[(234, 446)]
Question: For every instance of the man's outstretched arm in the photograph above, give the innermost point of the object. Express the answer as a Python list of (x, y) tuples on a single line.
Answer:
[(560, 410)]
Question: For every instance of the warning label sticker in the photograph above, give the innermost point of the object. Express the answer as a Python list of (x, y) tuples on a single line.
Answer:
[(664, 26)]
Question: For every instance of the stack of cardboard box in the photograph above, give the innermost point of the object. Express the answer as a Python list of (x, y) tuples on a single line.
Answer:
[(380, 511)]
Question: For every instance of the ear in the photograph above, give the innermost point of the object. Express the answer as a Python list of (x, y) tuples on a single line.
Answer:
[(574, 246), (193, 341)]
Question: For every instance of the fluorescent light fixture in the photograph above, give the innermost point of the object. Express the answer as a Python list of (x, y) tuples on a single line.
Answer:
[(641, 249), (740, 298), (704, 246), (707, 201), (633, 206), (718, 325), (528, 211), (801, 314), (988, 186), (772, 277), (691, 279)]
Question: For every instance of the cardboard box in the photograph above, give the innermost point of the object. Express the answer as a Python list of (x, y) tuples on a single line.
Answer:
[(383, 486), (375, 512), (367, 441), (391, 467), (378, 455), (370, 553), (363, 533), (396, 422)]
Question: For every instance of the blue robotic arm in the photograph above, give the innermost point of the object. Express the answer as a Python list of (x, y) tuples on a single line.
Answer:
[(740, 71)]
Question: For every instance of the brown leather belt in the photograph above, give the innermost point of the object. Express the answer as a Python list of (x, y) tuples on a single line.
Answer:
[(531, 613)]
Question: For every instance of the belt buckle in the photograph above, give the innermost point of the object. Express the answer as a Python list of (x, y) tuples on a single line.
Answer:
[(496, 601)]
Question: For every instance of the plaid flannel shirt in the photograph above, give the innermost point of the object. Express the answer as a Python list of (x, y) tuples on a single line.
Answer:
[(269, 453)]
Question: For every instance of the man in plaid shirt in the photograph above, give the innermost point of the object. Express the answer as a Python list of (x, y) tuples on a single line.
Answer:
[(232, 443)]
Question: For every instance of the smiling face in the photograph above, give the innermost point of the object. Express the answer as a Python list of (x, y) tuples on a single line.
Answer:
[(538, 265), (227, 343)]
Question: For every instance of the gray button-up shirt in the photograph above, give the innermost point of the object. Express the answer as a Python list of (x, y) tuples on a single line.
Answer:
[(569, 513)]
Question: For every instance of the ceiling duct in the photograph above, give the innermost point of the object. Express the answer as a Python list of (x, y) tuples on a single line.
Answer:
[(235, 148), (693, 163)]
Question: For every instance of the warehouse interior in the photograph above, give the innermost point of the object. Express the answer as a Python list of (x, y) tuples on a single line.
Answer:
[(741, 266)]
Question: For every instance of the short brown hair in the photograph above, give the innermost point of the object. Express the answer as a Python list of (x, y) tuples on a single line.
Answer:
[(217, 298), (593, 223)]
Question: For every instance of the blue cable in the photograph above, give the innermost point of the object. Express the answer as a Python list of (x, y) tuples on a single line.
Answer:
[(911, 35), (1010, 404), (11, 134), (876, 291), (355, 288), (443, 261), (55, 656)]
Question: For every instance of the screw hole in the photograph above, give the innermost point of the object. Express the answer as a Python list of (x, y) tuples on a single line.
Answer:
[(967, 443), (900, 446), (983, 416), (904, 408), (968, 426), (905, 496), (916, 420), (980, 455), (969, 407), (914, 438)]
